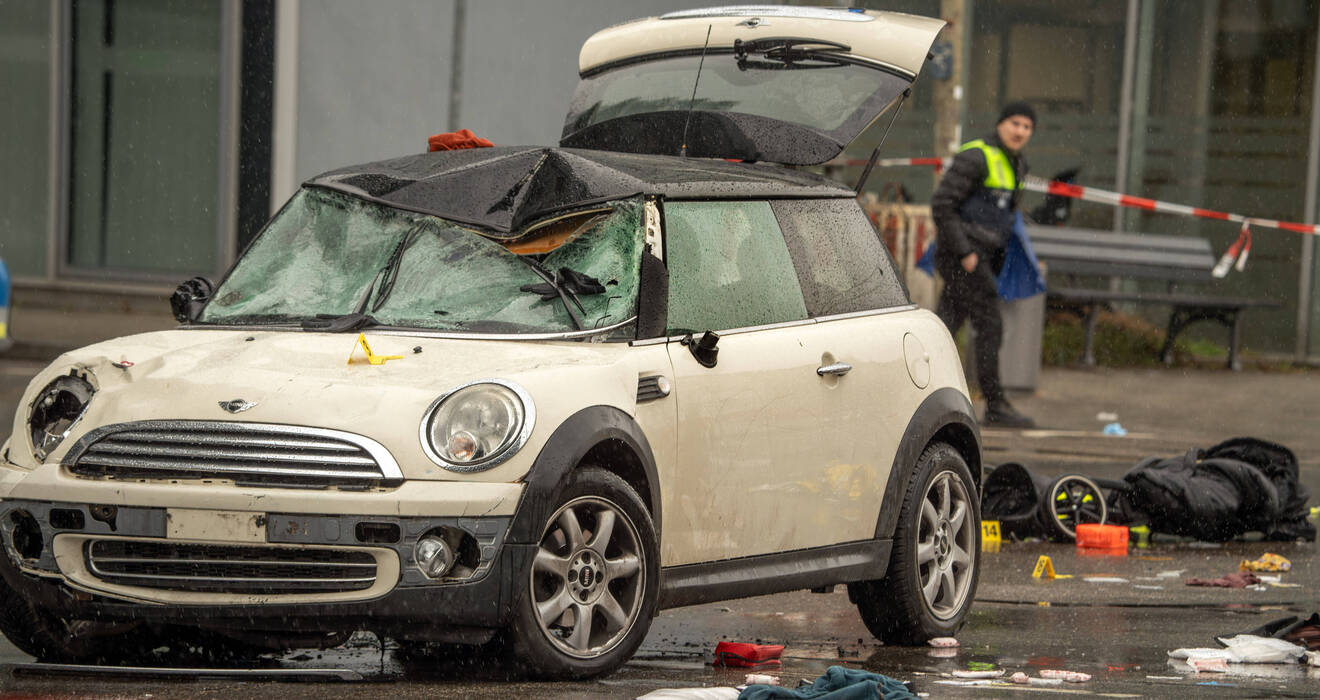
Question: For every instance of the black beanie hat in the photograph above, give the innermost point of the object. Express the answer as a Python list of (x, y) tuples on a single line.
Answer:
[(1015, 108)]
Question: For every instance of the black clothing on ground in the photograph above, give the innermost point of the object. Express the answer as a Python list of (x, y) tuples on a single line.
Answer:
[(961, 231), (1240, 485)]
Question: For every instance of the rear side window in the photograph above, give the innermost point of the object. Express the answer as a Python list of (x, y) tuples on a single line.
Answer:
[(728, 267), (841, 263)]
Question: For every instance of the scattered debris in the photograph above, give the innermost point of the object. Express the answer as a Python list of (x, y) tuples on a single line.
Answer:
[(1114, 429), (943, 642), (1253, 649), (1106, 417), (761, 679), (1237, 579), (1104, 579), (745, 655), (121, 364), (1068, 676), (692, 694), (1112, 539), (1266, 562), (836, 682), (978, 674)]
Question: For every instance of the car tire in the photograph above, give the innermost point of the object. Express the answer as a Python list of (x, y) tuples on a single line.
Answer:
[(49, 637), (935, 562), (597, 559)]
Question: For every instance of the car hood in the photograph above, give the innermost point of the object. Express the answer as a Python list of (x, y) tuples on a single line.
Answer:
[(306, 379)]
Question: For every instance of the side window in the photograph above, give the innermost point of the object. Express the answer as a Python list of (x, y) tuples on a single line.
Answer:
[(728, 267), (841, 263)]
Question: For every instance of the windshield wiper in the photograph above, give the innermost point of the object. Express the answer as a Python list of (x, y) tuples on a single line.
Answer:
[(339, 323), (390, 272), (787, 52), (566, 284)]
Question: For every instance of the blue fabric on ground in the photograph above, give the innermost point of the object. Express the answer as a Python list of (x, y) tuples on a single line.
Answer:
[(838, 683), (1020, 277)]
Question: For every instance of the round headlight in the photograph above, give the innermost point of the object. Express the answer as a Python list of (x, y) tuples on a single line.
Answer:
[(52, 415), (477, 426)]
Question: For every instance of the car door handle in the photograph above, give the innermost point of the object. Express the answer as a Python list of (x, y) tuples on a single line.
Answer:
[(838, 369)]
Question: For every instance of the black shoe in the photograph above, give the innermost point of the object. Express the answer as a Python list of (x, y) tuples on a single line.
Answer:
[(1002, 414)]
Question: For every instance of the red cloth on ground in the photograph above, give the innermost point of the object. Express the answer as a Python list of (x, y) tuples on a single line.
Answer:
[(455, 140), (1237, 579)]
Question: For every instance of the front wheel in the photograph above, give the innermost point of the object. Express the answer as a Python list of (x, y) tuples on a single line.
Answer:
[(933, 569), (589, 596)]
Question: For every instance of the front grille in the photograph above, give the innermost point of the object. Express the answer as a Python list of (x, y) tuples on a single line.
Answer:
[(247, 453), (213, 568)]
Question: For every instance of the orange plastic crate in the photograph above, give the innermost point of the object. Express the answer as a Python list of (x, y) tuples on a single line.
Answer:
[(1108, 537)]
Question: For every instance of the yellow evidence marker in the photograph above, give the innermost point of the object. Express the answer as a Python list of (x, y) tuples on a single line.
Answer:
[(372, 357), (1045, 569)]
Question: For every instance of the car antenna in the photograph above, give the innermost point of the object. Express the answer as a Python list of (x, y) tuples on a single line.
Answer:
[(875, 155), (682, 151)]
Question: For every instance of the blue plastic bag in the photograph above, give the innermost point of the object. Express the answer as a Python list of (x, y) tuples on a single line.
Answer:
[(1020, 277)]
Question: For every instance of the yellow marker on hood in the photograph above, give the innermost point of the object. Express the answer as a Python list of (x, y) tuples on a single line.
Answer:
[(372, 357)]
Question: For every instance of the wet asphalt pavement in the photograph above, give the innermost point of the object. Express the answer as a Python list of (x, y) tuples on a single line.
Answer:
[(1116, 618)]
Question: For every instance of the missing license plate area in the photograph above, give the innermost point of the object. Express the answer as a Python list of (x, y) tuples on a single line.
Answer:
[(215, 525)]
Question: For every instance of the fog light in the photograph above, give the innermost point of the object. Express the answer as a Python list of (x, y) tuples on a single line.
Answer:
[(434, 556)]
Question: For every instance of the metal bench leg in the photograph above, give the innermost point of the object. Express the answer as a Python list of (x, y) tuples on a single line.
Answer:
[(1177, 321), (1235, 339), (1088, 352)]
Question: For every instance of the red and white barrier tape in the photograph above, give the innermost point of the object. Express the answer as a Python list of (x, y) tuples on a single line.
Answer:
[(1238, 251)]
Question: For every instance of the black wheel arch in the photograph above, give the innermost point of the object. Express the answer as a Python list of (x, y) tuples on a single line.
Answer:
[(603, 436), (944, 416)]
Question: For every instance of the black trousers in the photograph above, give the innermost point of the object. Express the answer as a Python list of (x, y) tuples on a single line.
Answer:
[(975, 295)]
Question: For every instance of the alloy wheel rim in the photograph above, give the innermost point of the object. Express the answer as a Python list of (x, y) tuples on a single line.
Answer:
[(946, 540), (588, 577)]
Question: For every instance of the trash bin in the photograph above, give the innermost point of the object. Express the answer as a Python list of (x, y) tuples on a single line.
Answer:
[(1020, 353)]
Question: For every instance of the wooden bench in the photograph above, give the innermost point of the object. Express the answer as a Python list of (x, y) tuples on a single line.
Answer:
[(1070, 253)]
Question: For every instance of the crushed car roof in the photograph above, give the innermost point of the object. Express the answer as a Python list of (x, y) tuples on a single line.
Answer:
[(502, 190)]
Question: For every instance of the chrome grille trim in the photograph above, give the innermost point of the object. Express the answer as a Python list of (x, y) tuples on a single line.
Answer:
[(253, 568), (258, 453)]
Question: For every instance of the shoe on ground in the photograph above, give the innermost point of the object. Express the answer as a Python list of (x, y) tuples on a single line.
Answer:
[(1003, 415)]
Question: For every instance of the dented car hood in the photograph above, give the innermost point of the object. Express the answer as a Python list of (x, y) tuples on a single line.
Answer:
[(298, 378)]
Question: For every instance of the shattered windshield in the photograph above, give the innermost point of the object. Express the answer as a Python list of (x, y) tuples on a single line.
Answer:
[(327, 254)]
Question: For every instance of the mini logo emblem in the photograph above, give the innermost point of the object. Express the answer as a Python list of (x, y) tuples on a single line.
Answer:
[(587, 577), (237, 405)]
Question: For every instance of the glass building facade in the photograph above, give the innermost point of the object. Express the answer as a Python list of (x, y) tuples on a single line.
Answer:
[(128, 126)]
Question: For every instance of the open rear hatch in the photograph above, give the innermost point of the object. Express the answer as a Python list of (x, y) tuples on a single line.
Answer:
[(792, 85)]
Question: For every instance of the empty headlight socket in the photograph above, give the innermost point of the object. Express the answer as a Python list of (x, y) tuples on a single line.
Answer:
[(25, 535)]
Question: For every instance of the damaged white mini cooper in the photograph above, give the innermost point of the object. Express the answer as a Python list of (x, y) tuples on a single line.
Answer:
[(529, 394)]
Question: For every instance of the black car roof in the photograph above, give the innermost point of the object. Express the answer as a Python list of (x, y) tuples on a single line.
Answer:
[(503, 189)]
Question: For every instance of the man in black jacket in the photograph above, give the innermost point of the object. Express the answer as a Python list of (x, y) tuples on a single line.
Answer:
[(974, 209)]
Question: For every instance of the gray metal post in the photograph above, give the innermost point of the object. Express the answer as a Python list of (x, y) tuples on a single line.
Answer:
[(456, 66), (1306, 274), (1125, 105)]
